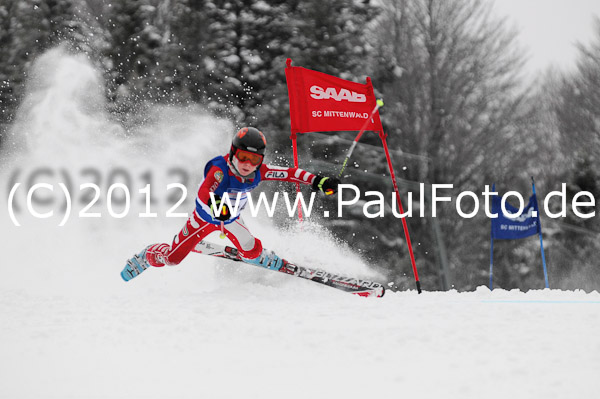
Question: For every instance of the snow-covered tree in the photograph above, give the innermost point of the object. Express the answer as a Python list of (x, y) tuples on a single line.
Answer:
[(143, 59), (449, 73), (28, 28), (576, 109)]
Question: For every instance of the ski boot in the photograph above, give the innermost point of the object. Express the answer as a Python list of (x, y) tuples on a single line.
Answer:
[(135, 266), (267, 259), (156, 255)]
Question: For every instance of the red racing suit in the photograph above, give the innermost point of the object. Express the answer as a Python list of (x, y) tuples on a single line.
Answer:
[(219, 179)]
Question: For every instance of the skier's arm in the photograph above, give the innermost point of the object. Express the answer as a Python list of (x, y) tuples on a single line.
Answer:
[(324, 184), (213, 179), (292, 175)]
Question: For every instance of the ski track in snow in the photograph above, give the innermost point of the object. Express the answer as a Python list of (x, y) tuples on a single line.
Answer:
[(209, 328)]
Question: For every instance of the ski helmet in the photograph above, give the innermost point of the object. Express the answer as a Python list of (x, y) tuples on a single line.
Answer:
[(248, 139)]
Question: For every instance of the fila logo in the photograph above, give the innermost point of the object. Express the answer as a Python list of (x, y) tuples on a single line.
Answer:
[(318, 93), (276, 174)]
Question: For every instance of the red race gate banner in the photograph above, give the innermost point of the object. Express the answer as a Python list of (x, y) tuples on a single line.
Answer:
[(325, 103)]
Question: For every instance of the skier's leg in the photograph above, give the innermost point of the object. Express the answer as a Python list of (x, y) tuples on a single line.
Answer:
[(158, 255), (250, 247), (194, 231)]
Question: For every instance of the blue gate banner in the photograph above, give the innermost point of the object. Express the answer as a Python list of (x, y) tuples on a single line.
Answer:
[(504, 228)]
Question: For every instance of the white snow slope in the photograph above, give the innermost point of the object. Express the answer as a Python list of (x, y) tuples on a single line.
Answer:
[(209, 328)]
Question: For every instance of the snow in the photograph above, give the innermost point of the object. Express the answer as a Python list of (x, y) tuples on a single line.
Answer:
[(290, 339), (71, 328)]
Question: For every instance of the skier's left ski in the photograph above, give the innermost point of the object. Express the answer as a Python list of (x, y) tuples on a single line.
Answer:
[(348, 284)]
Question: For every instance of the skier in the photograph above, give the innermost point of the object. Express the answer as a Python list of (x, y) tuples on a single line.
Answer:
[(240, 171)]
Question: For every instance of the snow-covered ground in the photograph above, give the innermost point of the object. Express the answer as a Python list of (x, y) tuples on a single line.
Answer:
[(290, 339), (209, 328)]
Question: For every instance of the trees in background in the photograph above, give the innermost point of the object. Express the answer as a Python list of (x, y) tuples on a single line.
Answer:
[(449, 72), (575, 107), (227, 54), (28, 28)]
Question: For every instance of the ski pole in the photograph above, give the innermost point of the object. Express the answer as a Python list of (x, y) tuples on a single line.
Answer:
[(222, 230), (379, 104)]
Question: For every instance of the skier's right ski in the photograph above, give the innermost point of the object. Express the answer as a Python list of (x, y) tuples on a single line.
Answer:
[(348, 284)]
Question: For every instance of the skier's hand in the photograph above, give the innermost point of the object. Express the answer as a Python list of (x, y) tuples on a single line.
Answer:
[(327, 185), (225, 213)]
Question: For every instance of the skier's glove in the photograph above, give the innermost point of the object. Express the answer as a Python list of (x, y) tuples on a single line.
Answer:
[(225, 213), (327, 185)]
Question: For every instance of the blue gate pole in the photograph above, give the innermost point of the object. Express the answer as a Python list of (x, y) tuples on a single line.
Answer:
[(543, 259), (540, 234), (492, 247), (491, 262)]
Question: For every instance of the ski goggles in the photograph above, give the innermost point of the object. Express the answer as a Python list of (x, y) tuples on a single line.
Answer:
[(247, 156)]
